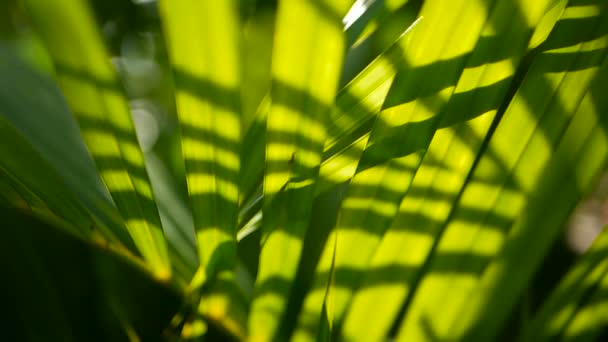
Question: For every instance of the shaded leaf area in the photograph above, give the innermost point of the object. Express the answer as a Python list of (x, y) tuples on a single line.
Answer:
[(176, 219), (24, 188), (24, 94), (61, 288), (258, 30), (59, 147), (590, 320), (574, 306), (94, 94)]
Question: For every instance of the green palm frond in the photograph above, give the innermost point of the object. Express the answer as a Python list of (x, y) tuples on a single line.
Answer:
[(321, 170)]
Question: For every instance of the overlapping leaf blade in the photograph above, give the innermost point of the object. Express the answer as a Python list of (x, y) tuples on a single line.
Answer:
[(571, 295), (204, 46), (466, 120), (307, 56), (512, 169), (45, 196), (176, 218), (65, 154), (93, 92), (445, 218), (350, 120), (413, 107), (573, 169), (591, 317)]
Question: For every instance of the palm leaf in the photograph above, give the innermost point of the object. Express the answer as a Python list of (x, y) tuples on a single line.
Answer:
[(94, 95), (305, 75), (572, 296), (205, 65), (516, 168), (399, 171), (451, 155), (376, 191), (30, 145)]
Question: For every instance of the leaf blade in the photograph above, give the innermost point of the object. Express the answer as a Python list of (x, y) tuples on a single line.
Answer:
[(94, 94), (306, 72)]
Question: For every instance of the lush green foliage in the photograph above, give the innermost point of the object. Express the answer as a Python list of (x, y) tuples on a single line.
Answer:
[(403, 174)]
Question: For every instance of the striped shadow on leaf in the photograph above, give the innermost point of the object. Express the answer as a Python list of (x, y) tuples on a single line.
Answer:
[(94, 94), (305, 73), (579, 292), (203, 43), (466, 120), (516, 163), (413, 107)]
